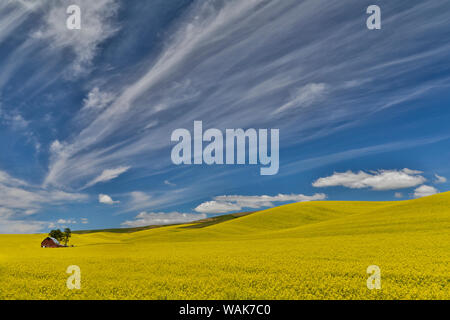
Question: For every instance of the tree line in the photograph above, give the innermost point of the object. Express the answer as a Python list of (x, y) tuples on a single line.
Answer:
[(61, 236)]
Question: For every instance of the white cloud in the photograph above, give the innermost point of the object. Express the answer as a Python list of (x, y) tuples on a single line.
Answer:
[(66, 221), (17, 13), (6, 213), (84, 220), (440, 179), (60, 223), (139, 198), (32, 198), (104, 198), (6, 179), (376, 180), (304, 97), (56, 147), (223, 204), (96, 27), (411, 172), (97, 99), (161, 218), (213, 43), (167, 182), (425, 191), (20, 226), (107, 175), (217, 207), (398, 195), (13, 119), (328, 159), (18, 200), (58, 196)]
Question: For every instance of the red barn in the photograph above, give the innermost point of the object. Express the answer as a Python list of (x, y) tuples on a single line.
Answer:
[(50, 242)]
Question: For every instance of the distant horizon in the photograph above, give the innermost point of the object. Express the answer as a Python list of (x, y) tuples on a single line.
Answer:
[(153, 226)]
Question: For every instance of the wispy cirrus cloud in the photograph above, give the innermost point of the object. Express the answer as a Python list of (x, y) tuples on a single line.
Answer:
[(66, 221), (96, 27), (13, 14), (167, 182), (20, 200), (19, 195), (48, 40), (107, 175), (97, 100), (21, 226), (311, 64), (259, 72), (304, 97)]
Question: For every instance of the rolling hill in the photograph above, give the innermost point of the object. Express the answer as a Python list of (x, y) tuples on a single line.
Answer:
[(312, 250)]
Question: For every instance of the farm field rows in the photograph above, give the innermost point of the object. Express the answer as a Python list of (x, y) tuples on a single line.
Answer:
[(314, 250)]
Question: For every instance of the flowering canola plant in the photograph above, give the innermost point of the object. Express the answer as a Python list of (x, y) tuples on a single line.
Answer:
[(314, 250)]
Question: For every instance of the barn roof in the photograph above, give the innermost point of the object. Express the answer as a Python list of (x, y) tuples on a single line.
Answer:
[(54, 240)]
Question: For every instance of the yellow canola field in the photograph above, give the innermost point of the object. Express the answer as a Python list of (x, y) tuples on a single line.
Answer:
[(314, 250)]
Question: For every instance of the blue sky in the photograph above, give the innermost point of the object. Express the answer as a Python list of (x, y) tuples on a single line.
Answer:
[(86, 115)]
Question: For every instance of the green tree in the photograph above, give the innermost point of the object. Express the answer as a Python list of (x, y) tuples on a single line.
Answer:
[(57, 234), (67, 235)]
